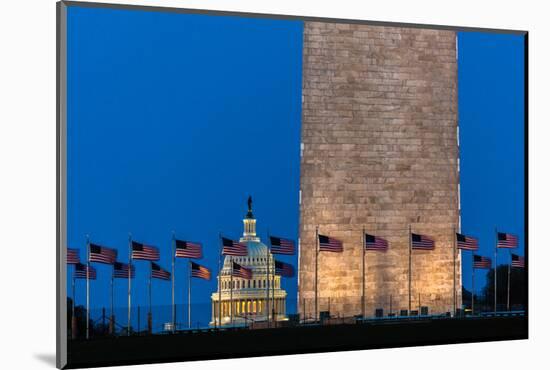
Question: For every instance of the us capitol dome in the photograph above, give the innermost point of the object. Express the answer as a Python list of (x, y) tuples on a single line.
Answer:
[(251, 300)]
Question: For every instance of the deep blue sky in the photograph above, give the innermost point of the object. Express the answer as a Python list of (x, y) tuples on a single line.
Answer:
[(491, 120), (174, 119)]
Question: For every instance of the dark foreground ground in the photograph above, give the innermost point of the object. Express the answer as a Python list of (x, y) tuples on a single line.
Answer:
[(289, 340)]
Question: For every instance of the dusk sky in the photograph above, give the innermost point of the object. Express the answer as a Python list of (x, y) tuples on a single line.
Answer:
[(491, 120), (175, 119)]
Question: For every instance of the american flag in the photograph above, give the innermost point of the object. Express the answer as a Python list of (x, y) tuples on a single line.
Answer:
[(233, 248), (328, 244), (284, 269), (374, 243), (518, 261), (144, 252), (506, 240), (481, 262), (80, 271), (466, 242), (120, 270), (158, 272), (102, 254), (422, 242), (72, 256), (241, 271), (199, 271), (185, 249), (281, 246)]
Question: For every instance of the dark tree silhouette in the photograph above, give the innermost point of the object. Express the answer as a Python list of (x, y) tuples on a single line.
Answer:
[(517, 288)]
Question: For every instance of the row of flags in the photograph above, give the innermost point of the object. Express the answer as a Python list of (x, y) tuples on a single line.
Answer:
[(423, 242), (183, 249), (124, 271), (374, 243), (481, 262), (120, 271), (139, 251), (278, 246), (186, 249)]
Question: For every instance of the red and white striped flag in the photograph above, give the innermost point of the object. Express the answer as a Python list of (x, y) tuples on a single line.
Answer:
[(73, 256), (102, 254), (198, 271), (374, 243), (80, 271), (422, 242), (158, 272), (518, 261), (142, 251), (284, 269), (466, 242), (120, 270), (281, 245), (185, 249), (233, 248), (241, 271), (481, 262), (328, 244), (505, 240)]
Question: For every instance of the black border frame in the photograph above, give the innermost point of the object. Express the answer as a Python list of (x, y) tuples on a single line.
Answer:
[(320, 344)]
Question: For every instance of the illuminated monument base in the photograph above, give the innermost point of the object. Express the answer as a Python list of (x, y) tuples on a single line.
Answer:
[(380, 153)]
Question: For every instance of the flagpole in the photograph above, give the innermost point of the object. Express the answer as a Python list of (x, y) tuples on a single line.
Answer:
[(150, 315), (454, 272), (189, 297), (495, 272), (73, 319), (173, 283), (74, 296), (273, 317), (473, 279), (509, 266), (220, 282), (410, 267), (113, 300), (129, 281), (87, 286), (268, 306), (231, 292), (316, 267), (363, 270)]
